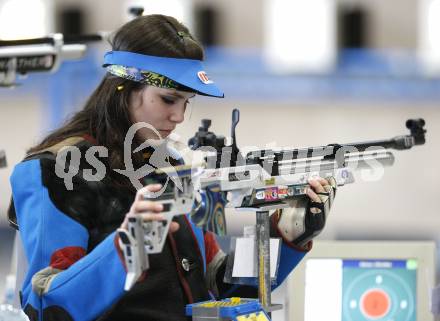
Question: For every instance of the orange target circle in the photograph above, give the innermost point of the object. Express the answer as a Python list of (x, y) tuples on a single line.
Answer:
[(375, 303)]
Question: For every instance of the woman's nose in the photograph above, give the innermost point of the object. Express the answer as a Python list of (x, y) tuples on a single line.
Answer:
[(178, 114)]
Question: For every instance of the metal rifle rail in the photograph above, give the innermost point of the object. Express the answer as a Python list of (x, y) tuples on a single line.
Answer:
[(67, 39)]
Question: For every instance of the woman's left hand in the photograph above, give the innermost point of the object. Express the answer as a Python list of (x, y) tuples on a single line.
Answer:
[(322, 191), (306, 217)]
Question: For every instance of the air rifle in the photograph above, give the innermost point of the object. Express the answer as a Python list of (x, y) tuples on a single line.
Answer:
[(269, 176), (267, 179), (20, 57), (45, 54), (259, 180)]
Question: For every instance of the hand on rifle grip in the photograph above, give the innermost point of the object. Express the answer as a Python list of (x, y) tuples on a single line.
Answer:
[(147, 208), (306, 217)]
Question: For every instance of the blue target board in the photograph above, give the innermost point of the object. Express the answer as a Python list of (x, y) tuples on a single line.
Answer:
[(379, 290)]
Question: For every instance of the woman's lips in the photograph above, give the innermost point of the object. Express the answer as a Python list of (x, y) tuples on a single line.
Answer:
[(165, 132)]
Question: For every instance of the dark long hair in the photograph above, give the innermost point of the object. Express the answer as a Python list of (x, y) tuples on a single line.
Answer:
[(105, 115)]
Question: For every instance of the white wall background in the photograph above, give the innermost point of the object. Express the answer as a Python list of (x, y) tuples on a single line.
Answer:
[(20, 126), (393, 22)]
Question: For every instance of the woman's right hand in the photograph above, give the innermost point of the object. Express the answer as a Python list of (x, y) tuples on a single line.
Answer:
[(150, 210)]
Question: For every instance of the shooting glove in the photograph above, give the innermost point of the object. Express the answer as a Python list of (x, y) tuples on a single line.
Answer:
[(305, 219)]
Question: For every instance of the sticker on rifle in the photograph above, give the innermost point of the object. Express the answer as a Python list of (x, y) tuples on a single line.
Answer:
[(214, 174), (270, 181), (259, 195), (204, 78), (271, 194), (239, 176), (301, 190), (282, 192)]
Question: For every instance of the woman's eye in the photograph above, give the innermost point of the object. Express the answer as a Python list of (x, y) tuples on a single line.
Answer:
[(167, 100)]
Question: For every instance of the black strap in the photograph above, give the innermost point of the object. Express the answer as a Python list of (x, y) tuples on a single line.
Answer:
[(318, 205)]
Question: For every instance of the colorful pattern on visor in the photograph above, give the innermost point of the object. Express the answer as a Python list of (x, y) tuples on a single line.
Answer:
[(145, 77), (164, 72)]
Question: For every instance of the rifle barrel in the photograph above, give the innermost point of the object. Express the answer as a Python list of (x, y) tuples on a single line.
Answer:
[(71, 39), (21, 42), (398, 143), (67, 39)]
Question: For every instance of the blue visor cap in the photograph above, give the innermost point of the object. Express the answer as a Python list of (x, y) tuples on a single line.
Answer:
[(187, 72)]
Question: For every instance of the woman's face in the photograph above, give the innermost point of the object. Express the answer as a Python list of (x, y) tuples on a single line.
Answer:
[(159, 107)]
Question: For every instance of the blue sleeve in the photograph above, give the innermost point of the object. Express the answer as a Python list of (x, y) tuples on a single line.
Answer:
[(53, 289), (290, 257)]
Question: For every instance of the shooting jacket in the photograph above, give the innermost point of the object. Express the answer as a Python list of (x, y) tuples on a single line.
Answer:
[(76, 268)]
